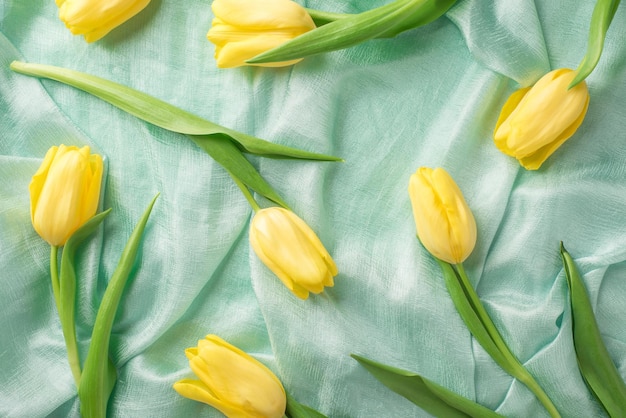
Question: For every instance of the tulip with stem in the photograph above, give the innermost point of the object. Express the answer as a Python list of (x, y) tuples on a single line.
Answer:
[(289, 248), (236, 384), (447, 229), (64, 195)]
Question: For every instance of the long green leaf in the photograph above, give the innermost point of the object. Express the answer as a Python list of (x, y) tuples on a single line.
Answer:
[(426, 394), (601, 19), (229, 157), (594, 360), (298, 410), (160, 113), (384, 21), (67, 290), (99, 374)]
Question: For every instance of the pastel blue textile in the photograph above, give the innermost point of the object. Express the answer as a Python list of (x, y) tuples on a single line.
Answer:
[(429, 97)]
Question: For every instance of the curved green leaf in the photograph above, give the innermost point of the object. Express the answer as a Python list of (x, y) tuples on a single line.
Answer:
[(426, 394), (594, 361), (99, 372), (160, 113), (298, 410), (350, 30), (601, 19)]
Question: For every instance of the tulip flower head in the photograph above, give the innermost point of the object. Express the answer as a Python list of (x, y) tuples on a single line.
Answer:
[(95, 18), (64, 192), (243, 29), (231, 381), (290, 248), (535, 121), (445, 224)]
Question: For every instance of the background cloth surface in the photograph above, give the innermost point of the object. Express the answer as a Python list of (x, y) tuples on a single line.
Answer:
[(429, 97)]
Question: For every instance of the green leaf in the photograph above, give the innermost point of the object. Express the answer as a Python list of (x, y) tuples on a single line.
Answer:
[(67, 290), (229, 157), (428, 395), (99, 372), (594, 361), (160, 113), (601, 19), (298, 410), (350, 30)]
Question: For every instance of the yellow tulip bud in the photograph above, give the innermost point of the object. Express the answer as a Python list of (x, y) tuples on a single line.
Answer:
[(535, 121), (232, 381), (64, 192), (445, 224), (95, 18), (290, 248), (243, 29)]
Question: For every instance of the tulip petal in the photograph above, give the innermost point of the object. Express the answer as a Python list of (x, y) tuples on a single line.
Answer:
[(266, 14), (535, 161), (195, 390), (39, 179), (503, 127), (93, 185)]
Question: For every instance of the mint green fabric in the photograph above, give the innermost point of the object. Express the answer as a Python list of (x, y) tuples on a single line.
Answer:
[(428, 97)]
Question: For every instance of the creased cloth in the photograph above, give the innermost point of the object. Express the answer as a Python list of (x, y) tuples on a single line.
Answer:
[(429, 97)]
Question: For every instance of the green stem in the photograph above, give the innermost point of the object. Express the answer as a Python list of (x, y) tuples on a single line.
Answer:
[(54, 275), (515, 367), (246, 192), (65, 307)]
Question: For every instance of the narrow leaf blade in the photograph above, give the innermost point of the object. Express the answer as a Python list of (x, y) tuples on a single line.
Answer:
[(601, 19), (426, 394), (99, 372), (594, 360)]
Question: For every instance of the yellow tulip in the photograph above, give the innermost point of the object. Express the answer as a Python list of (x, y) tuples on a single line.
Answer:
[(243, 29), (95, 18), (64, 192), (290, 248), (231, 381), (445, 224), (537, 120)]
